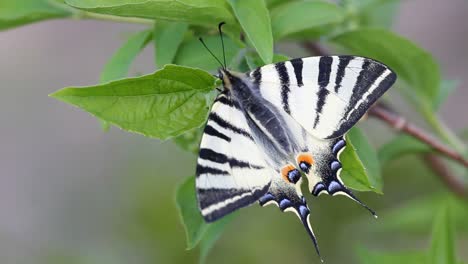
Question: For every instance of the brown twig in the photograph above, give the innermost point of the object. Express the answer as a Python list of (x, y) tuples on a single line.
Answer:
[(446, 175), (401, 124)]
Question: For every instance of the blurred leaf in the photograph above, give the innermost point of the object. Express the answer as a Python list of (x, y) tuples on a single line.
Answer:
[(193, 54), (162, 105), (368, 257), (415, 216), (211, 236), (14, 13), (190, 140), (255, 21), (400, 146), (200, 12), (196, 229), (167, 38), (361, 170), (254, 61), (446, 88), (299, 17), (442, 249), (194, 224), (411, 63), (117, 67), (375, 13)]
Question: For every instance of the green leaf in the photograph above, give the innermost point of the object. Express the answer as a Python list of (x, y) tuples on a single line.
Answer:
[(442, 249), (211, 236), (446, 88), (255, 21), (411, 63), (193, 54), (400, 146), (415, 216), (200, 12), (368, 257), (14, 13), (254, 61), (196, 229), (163, 104), (375, 13), (167, 38), (190, 140), (298, 17), (361, 169), (117, 67), (194, 224)]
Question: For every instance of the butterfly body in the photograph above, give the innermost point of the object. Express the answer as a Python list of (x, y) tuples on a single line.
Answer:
[(274, 126)]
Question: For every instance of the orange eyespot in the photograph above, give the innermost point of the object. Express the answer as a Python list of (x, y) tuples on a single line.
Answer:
[(285, 171), (306, 158)]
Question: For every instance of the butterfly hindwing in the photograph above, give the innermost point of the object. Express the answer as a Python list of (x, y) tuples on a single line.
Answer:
[(231, 172), (327, 95)]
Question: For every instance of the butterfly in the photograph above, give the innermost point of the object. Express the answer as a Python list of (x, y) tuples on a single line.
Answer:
[(273, 126)]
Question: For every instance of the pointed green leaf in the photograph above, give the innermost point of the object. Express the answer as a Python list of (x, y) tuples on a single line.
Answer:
[(117, 67), (411, 63), (255, 21), (442, 249), (400, 146), (361, 169), (163, 104), (167, 38), (211, 236), (194, 224), (200, 12), (14, 13), (196, 229), (298, 17), (193, 54)]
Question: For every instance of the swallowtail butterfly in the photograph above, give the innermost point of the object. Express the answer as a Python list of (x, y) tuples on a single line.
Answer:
[(270, 127)]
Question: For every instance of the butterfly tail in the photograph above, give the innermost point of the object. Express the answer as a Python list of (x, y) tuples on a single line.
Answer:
[(289, 200)]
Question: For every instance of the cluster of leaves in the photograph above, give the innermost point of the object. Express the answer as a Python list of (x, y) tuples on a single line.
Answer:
[(173, 102)]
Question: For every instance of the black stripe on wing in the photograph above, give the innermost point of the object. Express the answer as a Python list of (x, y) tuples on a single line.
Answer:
[(370, 72), (344, 61), (297, 65), (227, 125), (325, 68), (284, 79), (211, 155), (228, 200)]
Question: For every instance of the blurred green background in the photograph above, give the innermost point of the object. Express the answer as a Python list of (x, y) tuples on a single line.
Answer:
[(70, 193)]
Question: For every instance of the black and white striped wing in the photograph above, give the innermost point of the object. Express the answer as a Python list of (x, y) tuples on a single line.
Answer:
[(231, 171), (327, 95)]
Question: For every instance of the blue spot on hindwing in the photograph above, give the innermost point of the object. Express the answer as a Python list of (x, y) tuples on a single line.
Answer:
[(335, 165), (338, 145), (334, 187), (303, 211), (284, 203)]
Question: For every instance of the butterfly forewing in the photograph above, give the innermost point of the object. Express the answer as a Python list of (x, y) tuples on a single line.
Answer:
[(231, 171), (327, 95)]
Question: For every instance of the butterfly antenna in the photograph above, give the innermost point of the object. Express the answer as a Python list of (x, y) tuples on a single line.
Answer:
[(222, 42), (216, 58)]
